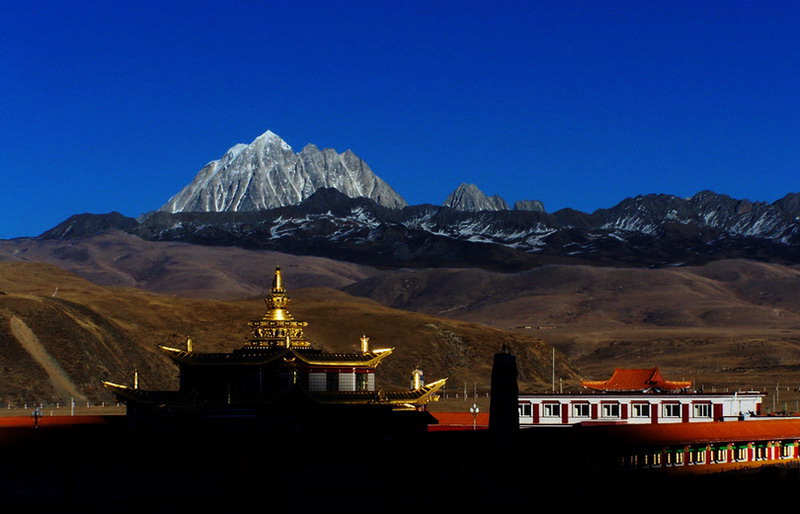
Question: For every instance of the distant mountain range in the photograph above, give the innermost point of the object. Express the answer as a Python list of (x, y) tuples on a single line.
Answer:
[(267, 174), (652, 231), (319, 202)]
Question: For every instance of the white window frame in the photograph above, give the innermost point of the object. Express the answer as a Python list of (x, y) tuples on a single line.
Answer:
[(638, 407), (701, 410), (551, 410), (667, 407), (578, 407), (610, 410)]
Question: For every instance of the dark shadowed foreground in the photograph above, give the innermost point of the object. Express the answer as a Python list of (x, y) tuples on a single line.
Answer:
[(106, 466)]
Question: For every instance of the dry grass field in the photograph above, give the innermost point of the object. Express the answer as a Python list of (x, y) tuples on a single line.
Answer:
[(725, 325), (119, 259), (62, 344)]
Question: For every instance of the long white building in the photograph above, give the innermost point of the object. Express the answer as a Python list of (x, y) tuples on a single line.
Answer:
[(637, 396)]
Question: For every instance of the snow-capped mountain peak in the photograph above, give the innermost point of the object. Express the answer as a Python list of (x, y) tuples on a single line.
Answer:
[(266, 174)]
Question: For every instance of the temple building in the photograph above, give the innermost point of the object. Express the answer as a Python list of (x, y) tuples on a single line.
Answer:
[(636, 396), (279, 381)]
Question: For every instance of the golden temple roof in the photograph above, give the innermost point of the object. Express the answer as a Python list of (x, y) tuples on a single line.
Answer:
[(279, 346), (398, 399), (259, 357)]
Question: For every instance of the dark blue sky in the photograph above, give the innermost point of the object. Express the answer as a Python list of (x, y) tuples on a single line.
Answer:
[(116, 105)]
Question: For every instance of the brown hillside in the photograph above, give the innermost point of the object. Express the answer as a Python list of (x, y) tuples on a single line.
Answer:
[(728, 323), (64, 345), (725, 324), (119, 259)]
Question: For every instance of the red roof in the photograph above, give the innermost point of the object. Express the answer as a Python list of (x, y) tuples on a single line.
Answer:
[(636, 380), (458, 421)]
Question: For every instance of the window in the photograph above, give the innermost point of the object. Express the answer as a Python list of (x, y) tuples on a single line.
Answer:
[(610, 410), (362, 381), (580, 410), (672, 410), (652, 459), (524, 409), (332, 381), (702, 410), (741, 453), (640, 410), (551, 409), (316, 381), (698, 456), (673, 458)]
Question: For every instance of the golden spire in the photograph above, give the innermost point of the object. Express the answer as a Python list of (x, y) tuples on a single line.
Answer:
[(277, 328), (277, 281), (277, 301), (364, 344)]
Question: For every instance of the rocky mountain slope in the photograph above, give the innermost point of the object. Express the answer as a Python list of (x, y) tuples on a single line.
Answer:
[(645, 231), (267, 174), (317, 202), (467, 197)]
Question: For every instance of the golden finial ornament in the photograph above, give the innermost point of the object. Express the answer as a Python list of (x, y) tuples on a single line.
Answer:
[(277, 328), (417, 380), (277, 281), (277, 301), (189, 344), (136, 379), (364, 344)]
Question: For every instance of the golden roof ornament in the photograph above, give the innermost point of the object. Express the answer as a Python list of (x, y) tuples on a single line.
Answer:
[(277, 301), (277, 328), (417, 380)]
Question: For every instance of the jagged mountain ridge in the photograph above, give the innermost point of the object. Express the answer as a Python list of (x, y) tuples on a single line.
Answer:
[(267, 174), (651, 230), (468, 197)]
